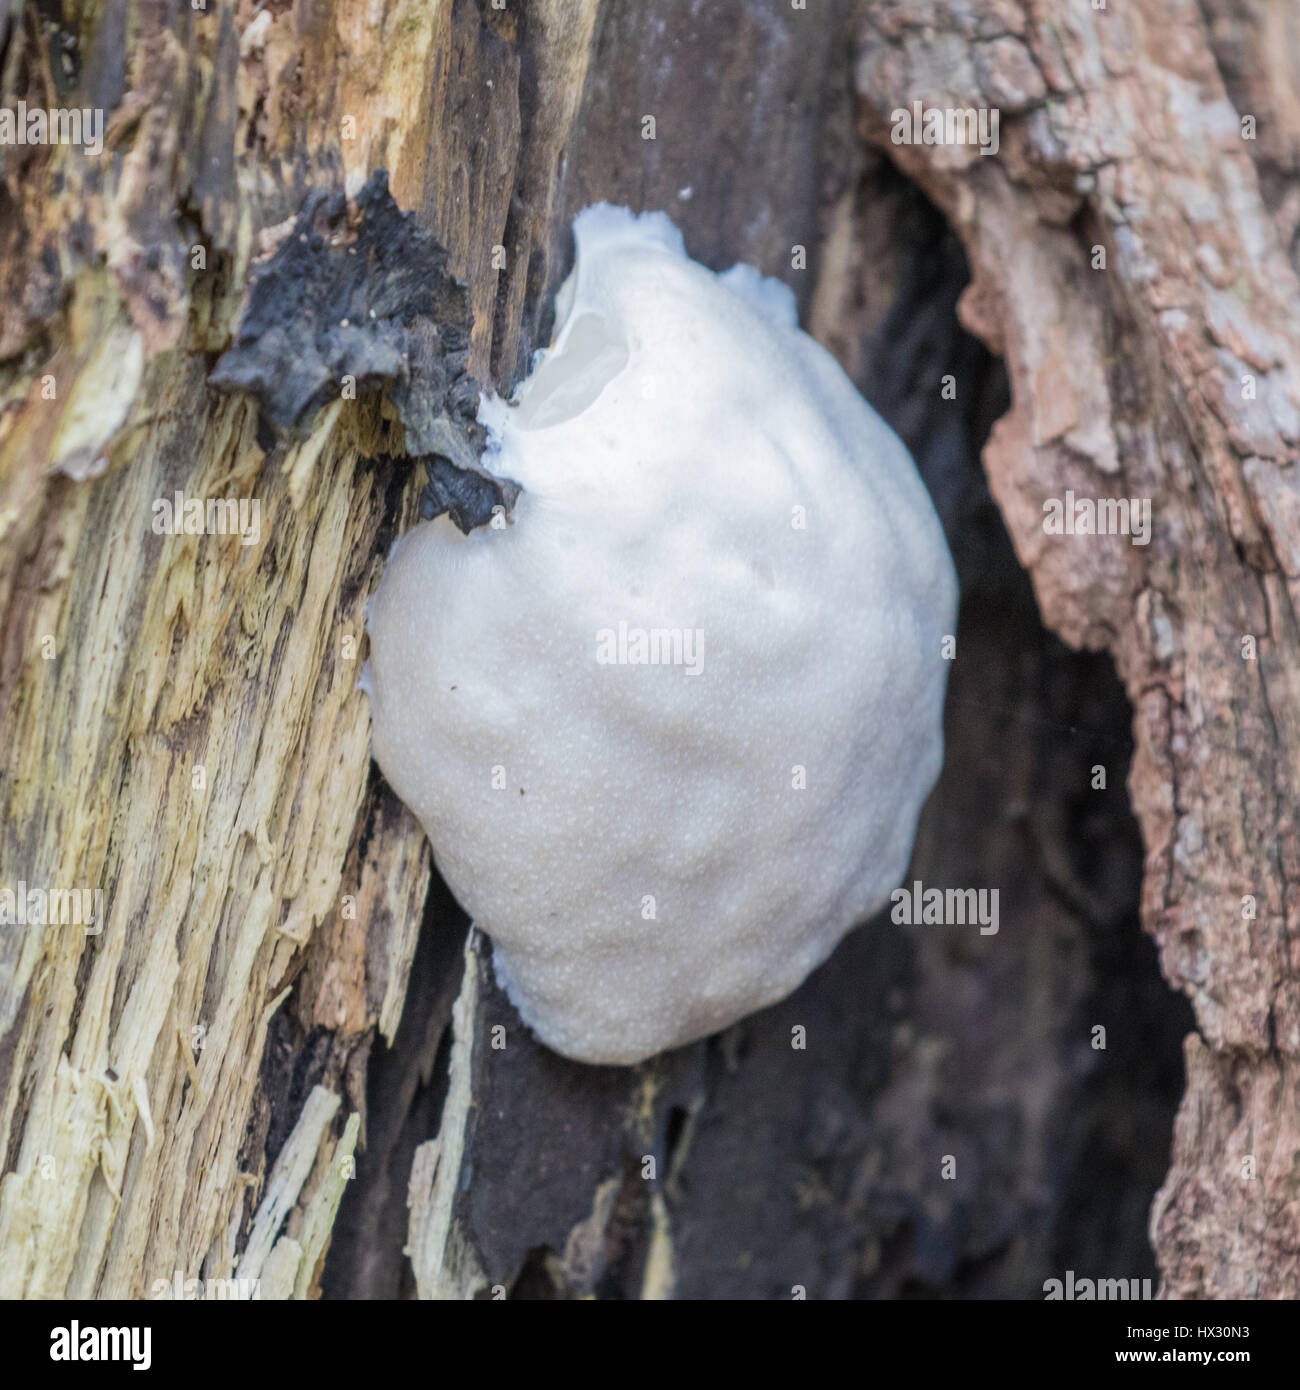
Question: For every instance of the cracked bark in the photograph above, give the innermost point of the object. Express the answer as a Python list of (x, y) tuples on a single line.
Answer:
[(1170, 376)]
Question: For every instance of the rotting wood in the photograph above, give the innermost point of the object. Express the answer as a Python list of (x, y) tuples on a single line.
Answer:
[(180, 718)]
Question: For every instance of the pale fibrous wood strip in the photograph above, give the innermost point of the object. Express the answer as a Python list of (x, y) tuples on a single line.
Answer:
[(437, 1253), (290, 1172)]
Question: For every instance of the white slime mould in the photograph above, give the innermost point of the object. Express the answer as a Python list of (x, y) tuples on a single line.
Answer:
[(670, 730)]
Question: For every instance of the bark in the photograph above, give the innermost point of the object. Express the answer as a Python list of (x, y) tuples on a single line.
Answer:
[(1170, 375), (281, 1019)]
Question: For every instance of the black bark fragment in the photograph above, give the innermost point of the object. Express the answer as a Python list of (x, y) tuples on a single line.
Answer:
[(361, 290), (468, 495)]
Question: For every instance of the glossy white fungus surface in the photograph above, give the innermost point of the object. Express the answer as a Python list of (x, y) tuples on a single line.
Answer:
[(670, 729)]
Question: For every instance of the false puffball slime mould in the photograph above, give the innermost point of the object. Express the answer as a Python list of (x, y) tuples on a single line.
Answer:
[(670, 729)]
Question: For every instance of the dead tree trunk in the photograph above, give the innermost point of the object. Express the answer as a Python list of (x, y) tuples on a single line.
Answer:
[(254, 1040)]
